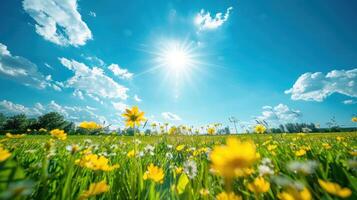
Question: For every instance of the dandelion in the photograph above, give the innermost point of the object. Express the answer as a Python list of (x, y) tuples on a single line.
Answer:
[(228, 196), (260, 128), (178, 170), (59, 134), (154, 173), (180, 147), (259, 185), (211, 131), (204, 192), (300, 152), (95, 189), (326, 145), (133, 117), (95, 162), (292, 193), (131, 154), (89, 125), (190, 168), (335, 189), (233, 156), (4, 154), (149, 149), (354, 119)]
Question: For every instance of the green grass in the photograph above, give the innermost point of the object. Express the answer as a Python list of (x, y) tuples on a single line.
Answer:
[(52, 173)]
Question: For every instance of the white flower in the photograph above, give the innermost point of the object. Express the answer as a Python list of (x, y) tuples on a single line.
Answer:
[(265, 170), (169, 146), (169, 155), (190, 169), (307, 167)]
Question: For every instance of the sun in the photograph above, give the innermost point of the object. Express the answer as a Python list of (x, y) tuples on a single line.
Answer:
[(177, 57)]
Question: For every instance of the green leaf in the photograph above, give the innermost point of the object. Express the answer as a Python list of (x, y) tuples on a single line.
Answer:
[(182, 182)]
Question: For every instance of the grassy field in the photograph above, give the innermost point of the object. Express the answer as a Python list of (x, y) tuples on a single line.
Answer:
[(280, 166)]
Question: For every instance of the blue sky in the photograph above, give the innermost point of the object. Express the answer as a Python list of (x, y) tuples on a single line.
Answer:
[(183, 62)]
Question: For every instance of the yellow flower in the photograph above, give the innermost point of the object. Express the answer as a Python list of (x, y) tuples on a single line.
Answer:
[(154, 173), (244, 172), (131, 154), (59, 134), (211, 131), (95, 189), (259, 185), (4, 154), (335, 189), (95, 162), (89, 125), (235, 155), (326, 145), (354, 119), (295, 194), (178, 170), (15, 136), (173, 130), (180, 147), (133, 117), (272, 147), (300, 152), (204, 192), (260, 129), (353, 153), (228, 196)]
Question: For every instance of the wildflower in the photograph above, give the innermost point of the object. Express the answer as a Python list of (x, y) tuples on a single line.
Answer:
[(300, 152), (335, 189), (307, 167), (15, 136), (149, 149), (259, 185), (265, 170), (59, 134), (180, 147), (131, 153), (169, 155), (228, 196), (190, 168), (326, 145), (244, 172), (4, 154), (173, 130), (272, 147), (204, 192), (72, 148), (95, 189), (133, 117), (154, 173), (89, 125), (233, 156), (211, 131), (95, 162), (293, 193), (260, 128), (178, 170)]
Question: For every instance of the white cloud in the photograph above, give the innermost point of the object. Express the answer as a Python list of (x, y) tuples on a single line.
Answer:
[(349, 102), (317, 86), (58, 21), (170, 116), (204, 20), (137, 98), (73, 113), (279, 114), (119, 106), (21, 70), (121, 73), (94, 60), (92, 81), (93, 14)]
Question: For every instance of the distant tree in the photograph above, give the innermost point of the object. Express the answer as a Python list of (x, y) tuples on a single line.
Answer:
[(16, 123), (227, 130), (2, 120), (55, 120), (148, 132)]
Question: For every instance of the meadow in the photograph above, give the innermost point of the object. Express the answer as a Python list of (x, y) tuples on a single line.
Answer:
[(245, 166)]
